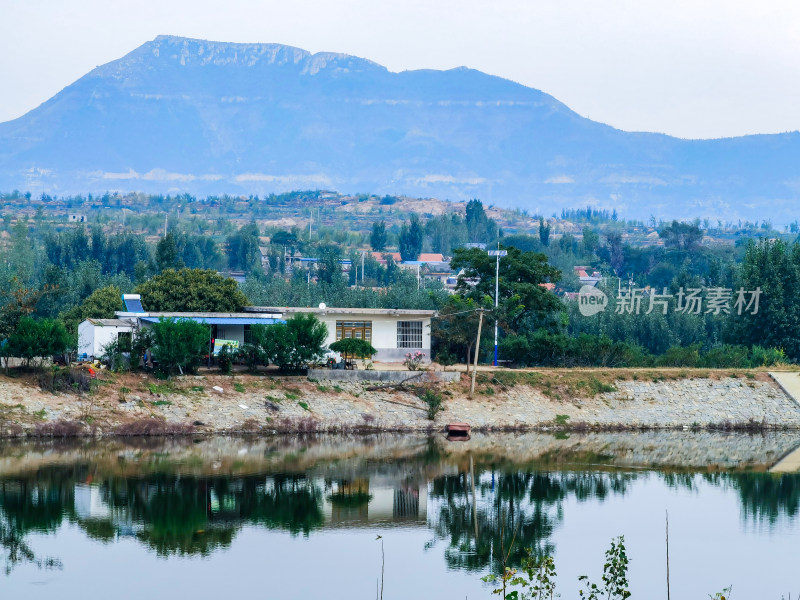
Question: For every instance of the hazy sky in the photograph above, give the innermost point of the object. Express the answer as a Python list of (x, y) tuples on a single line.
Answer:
[(691, 68)]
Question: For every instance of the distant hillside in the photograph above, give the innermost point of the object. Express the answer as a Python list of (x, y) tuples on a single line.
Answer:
[(183, 115)]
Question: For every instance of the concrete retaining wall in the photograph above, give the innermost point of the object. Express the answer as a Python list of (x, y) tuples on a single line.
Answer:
[(385, 376)]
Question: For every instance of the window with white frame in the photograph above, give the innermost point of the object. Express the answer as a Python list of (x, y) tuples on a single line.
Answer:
[(409, 334)]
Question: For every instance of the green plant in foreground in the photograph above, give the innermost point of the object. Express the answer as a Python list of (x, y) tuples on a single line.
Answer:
[(225, 359), (238, 387), (561, 419), (434, 403), (536, 577), (723, 595), (303, 405), (615, 575)]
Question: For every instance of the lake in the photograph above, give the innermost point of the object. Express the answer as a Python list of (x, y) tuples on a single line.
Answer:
[(298, 516)]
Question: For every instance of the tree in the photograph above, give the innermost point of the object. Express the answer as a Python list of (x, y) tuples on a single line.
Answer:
[(523, 298), (681, 236), (294, 344), (167, 256), (614, 239), (591, 241), (329, 269), (191, 290), (377, 238), (411, 238), (480, 228), (37, 338), (544, 232), (456, 328), (101, 304), (18, 301), (774, 267), (243, 249), (179, 345), (353, 348)]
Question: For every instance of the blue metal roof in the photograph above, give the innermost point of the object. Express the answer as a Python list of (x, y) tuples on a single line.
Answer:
[(222, 320)]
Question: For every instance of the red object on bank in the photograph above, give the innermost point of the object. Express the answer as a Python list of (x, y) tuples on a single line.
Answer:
[(457, 431)]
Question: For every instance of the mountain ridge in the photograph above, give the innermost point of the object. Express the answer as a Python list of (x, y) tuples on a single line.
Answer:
[(186, 115)]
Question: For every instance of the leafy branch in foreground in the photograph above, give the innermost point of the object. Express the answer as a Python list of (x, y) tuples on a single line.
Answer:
[(615, 575), (536, 578)]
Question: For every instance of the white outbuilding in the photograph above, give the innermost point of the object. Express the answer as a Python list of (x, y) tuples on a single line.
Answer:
[(95, 334)]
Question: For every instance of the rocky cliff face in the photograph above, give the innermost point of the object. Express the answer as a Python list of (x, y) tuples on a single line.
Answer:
[(184, 115)]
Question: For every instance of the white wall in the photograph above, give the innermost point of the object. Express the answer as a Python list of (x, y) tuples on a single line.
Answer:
[(384, 333), (92, 339)]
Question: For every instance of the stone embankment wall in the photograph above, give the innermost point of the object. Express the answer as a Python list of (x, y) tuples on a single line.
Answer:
[(260, 404)]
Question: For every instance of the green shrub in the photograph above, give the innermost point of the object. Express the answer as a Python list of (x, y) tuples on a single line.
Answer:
[(36, 339), (726, 357), (179, 345), (294, 344), (544, 348), (114, 358), (225, 359), (598, 387), (433, 401), (252, 355), (680, 356), (766, 357), (353, 348), (56, 379)]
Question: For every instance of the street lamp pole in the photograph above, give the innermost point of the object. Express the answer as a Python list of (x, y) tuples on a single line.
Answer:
[(498, 253)]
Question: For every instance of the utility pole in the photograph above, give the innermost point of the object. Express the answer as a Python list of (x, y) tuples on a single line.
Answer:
[(477, 350), (498, 253), (362, 268)]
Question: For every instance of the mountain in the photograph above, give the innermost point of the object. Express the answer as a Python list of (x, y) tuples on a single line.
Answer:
[(185, 115)]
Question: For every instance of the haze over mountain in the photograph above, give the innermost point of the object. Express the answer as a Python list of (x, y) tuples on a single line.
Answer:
[(183, 115)]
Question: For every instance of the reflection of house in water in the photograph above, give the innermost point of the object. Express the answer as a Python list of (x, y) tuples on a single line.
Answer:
[(378, 500), (89, 503)]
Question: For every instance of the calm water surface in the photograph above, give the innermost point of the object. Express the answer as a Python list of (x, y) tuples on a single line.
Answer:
[(298, 517)]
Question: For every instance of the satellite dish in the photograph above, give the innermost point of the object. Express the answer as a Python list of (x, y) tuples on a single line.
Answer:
[(322, 306)]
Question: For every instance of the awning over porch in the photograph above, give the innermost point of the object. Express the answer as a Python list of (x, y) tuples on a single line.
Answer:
[(221, 320)]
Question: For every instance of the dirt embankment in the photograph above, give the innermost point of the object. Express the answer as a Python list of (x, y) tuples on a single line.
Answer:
[(138, 404)]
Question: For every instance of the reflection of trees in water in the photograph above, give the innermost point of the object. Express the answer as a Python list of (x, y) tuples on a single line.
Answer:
[(170, 514), (30, 505), (199, 515), (290, 502), (764, 497), (179, 514), (523, 506)]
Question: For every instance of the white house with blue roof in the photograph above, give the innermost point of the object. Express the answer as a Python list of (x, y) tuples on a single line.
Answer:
[(393, 332)]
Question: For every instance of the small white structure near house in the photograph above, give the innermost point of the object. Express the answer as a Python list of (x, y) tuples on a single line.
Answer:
[(95, 334)]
